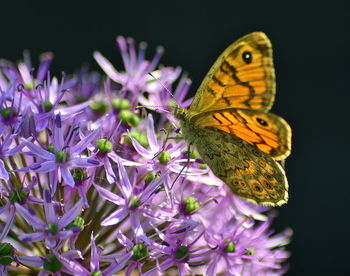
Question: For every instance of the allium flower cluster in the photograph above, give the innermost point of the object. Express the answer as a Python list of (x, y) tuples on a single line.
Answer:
[(93, 184)]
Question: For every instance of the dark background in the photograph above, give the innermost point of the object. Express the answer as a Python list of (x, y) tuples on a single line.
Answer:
[(311, 54)]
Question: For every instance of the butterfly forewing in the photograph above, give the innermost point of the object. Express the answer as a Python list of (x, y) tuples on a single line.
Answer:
[(242, 77), (268, 132)]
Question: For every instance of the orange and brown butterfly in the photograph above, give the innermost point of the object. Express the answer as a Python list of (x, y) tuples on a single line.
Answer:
[(230, 124)]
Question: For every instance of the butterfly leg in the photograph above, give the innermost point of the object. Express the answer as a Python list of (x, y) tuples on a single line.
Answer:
[(186, 165)]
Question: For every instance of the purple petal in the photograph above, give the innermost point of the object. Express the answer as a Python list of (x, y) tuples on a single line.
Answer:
[(119, 265), (150, 189), (115, 217), (125, 162), (67, 177), (94, 261), (3, 172), (64, 235), (5, 208), (58, 135), (109, 195), (124, 180), (34, 221), (73, 254), (38, 151), (53, 181), (138, 230), (31, 237), (72, 266), (124, 240), (70, 215), (45, 63), (47, 166), (107, 67), (111, 178), (151, 135), (84, 162), (140, 149), (34, 261), (50, 213), (9, 221), (81, 146), (73, 109)]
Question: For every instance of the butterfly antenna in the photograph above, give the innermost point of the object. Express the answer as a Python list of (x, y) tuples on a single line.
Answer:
[(166, 88)]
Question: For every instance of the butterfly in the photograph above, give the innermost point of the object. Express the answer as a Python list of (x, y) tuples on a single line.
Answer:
[(230, 124)]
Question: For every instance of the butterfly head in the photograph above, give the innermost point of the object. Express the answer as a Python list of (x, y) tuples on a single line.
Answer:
[(181, 114)]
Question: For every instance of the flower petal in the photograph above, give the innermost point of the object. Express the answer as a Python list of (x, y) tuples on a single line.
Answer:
[(115, 217), (151, 135), (70, 215), (34, 221), (47, 166), (67, 176), (38, 151), (31, 237), (3, 172), (107, 67), (109, 195)]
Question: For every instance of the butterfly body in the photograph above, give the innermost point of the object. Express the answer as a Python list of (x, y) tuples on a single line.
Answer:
[(229, 123)]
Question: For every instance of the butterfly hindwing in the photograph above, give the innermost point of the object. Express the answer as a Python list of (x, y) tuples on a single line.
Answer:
[(249, 172)]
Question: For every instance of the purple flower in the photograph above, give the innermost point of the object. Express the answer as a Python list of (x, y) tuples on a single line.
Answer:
[(6, 150), (242, 249), (132, 203), (20, 195), (53, 228), (62, 158), (92, 185), (135, 78)]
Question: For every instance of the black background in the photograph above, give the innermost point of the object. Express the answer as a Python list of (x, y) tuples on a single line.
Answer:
[(311, 55)]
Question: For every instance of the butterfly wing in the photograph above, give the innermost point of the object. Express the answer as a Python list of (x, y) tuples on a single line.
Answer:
[(242, 77), (249, 172), (268, 132)]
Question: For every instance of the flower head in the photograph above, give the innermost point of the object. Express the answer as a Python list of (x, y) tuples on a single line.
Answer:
[(90, 184)]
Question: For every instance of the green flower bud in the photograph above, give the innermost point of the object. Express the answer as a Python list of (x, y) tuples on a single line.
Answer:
[(47, 106), (149, 177), (124, 104), (125, 116), (6, 112), (62, 156), (116, 103), (6, 253), (77, 222), (96, 273), (191, 204), (230, 247), (140, 251), (52, 264), (164, 157), (135, 203), (79, 175), (50, 148), (17, 196), (134, 120), (99, 107), (53, 228), (181, 252), (103, 146)]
